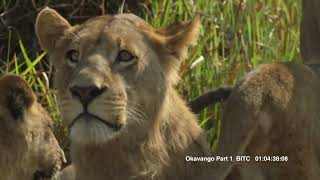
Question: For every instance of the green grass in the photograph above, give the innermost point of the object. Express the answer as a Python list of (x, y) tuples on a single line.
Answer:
[(236, 36)]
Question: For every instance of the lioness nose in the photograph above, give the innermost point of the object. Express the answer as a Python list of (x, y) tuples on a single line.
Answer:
[(86, 94)]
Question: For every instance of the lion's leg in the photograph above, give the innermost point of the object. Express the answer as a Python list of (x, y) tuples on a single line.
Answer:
[(239, 124), (315, 166), (246, 172)]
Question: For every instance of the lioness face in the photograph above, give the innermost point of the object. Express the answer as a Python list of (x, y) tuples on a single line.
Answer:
[(26, 137), (112, 72)]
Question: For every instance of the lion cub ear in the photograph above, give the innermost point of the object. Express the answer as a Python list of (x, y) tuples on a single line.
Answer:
[(16, 95), (180, 36), (50, 26)]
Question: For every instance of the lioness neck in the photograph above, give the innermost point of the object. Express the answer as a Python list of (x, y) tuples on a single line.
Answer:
[(174, 135)]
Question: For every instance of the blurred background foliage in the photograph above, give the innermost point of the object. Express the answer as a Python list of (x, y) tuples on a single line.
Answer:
[(236, 36)]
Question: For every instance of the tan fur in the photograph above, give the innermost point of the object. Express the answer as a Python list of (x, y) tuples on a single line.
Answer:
[(158, 130), (27, 143), (310, 32), (273, 111)]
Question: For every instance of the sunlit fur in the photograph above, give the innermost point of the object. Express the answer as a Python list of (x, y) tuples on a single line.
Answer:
[(272, 112), (27, 143), (158, 128)]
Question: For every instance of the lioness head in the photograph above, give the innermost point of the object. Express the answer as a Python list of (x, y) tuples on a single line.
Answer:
[(113, 72), (28, 147)]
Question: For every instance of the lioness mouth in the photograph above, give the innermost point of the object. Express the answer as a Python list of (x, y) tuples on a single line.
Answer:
[(39, 175), (48, 173), (116, 126)]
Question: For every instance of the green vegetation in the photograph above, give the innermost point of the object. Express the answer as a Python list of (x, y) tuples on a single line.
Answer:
[(236, 35)]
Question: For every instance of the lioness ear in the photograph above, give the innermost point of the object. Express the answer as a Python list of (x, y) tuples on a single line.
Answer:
[(50, 26), (181, 36)]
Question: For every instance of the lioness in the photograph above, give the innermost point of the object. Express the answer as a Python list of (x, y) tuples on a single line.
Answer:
[(273, 112), (272, 116), (28, 148), (115, 77)]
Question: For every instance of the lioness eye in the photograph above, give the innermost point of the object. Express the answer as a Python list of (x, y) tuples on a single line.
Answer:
[(73, 56), (124, 56)]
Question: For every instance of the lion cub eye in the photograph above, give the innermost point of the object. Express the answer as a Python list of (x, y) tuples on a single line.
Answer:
[(124, 56), (73, 57)]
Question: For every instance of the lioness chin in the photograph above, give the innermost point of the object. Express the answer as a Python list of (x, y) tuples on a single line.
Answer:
[(115, 77), (28, 148)]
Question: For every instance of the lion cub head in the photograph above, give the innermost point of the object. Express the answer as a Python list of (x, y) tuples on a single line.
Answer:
[(113, 73), (28, 147)]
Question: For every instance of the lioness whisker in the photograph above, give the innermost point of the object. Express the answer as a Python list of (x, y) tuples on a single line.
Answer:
[(133, 103), (136, 116), (144, 115), (133, 114)]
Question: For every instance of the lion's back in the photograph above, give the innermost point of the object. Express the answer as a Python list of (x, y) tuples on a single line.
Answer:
[(279, 101)]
